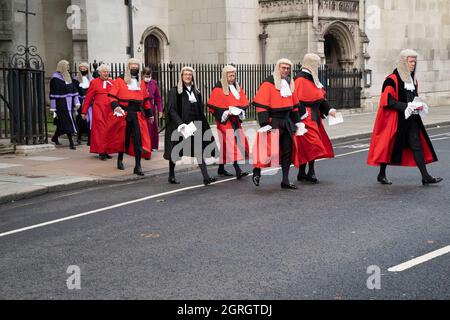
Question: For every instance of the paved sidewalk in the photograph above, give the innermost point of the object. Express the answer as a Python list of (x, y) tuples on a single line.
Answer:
[(64, 169)]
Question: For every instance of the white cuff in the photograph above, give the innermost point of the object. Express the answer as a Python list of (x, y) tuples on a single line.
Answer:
[(225, 116), (181, 127), (306, 115)]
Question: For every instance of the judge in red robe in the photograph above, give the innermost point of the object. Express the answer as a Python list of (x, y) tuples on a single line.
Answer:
[(130, 101), (399, 136), (315, 144), (279, 115), (228, 103), (97, 97)]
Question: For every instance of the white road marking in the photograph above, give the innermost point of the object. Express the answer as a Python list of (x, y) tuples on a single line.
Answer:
[(416, 261), (123, 204)]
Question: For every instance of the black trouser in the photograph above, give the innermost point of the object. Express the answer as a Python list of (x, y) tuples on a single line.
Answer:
[(311, 170), (133, 133), (58, 134), (413, 138), (235, 166), (286, 154), (201, 165)]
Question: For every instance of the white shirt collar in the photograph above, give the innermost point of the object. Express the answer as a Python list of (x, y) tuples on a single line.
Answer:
[(285, 90)]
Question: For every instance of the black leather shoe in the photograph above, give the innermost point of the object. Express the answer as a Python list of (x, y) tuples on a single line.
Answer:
[(256, 179), (224, 173), (72, 147), (108, 156), (103, 157), (313, 179), (288, 186), (240, 175), (431, 181), (147, 159), (302, 177), (120, 165), (384, 180), (138, 171), (173, 181), (79, 142), (209, 181), (56, 141)]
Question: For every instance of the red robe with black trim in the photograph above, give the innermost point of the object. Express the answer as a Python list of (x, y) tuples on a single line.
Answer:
[(116, 128), (97, 96), (386, 128), (233, 142), (315, 144), (268, 101)]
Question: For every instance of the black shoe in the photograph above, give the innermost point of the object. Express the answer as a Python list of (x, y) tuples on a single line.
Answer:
[(209, 181), (138, 171), (384, 180), (431, 180), (312, 178), (240, 175), (120, 165), (103, 157), (56, 141), (302, 177), (224, 173), (72, 147), (107, 156), (79, 142), (173, 181), (147, 159), (288, 186)]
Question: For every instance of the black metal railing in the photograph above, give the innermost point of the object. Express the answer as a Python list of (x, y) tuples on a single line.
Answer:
[(336, 82), (344, 88), (22, 105)]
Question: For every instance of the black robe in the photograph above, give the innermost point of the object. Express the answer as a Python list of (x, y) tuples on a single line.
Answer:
[(407, 129), (180, 110), (83, 125), (63, 99)]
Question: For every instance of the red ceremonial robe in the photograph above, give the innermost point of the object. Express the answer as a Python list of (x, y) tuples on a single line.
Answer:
[(315, 144), (133, 102), (97, 95), (233, 142), (277, 111), (384, 136)]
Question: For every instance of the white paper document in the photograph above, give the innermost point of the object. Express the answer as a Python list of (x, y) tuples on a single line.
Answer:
[(332, 121), (265, 128), (188, 130)]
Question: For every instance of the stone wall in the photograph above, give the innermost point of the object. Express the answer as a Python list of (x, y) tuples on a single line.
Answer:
[(423, 25)]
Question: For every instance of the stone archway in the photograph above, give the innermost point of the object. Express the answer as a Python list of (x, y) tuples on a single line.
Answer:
[(339, 46), (154, 46)]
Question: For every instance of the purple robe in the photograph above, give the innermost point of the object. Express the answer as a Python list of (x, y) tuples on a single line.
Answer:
[(156, 105)]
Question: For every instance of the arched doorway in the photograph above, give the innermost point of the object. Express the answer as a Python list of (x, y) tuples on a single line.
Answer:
[(332, 52), (152, 50), (339, 46)]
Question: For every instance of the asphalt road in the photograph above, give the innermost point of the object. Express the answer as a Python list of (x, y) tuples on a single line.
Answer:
[(232, 240)]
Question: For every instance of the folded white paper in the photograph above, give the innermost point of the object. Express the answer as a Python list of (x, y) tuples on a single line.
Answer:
[(301, 130), (265, 128), (334, 121)]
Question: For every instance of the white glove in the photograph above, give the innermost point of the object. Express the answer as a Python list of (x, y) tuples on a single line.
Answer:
[(410, 109), (306, 115), (54, 114), (181, 127), (119, 112), (301, 129), (225, 116), (242, 115)]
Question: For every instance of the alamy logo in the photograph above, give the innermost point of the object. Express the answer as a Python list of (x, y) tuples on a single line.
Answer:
[(74, 20), (74, 281), (374, 281)]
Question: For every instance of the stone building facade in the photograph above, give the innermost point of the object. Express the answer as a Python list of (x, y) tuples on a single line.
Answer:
[(363, 34)]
